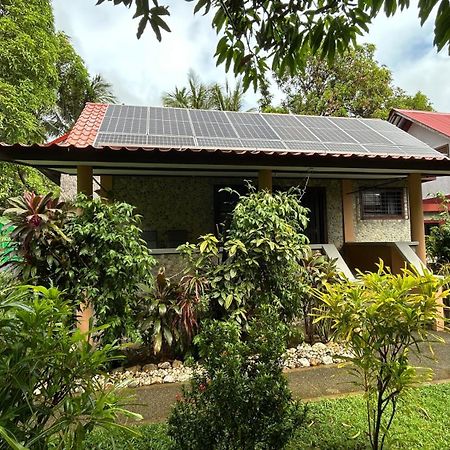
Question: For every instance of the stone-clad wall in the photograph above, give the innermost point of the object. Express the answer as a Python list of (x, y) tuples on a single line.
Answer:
[(187, 203), (387, 230)]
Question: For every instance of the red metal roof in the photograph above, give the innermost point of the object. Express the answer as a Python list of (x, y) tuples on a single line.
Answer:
[(435, 120), (86, 127)]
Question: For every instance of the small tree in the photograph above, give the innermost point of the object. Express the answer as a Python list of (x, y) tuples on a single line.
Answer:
[(241, 400), (382, 318)]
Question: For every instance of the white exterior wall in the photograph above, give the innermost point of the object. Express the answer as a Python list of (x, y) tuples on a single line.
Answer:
[(435, 140)]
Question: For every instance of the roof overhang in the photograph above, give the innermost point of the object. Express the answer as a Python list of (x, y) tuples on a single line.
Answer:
[(139, 161)]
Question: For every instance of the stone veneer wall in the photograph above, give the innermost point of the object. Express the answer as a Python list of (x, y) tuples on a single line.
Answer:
[(386, 230), (187, 203)]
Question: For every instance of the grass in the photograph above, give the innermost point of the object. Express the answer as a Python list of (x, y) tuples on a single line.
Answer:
[(421, 423)]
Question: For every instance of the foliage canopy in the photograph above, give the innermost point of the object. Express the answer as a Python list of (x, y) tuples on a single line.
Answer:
[(260, 34)]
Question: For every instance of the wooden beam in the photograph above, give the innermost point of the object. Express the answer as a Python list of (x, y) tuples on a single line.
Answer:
[(347, 210), (416, 213), (265, 180)]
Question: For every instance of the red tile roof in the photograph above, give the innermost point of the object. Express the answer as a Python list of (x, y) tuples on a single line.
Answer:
[(435, 120), (86, 127)]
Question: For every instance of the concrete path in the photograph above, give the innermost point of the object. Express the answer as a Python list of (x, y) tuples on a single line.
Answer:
[(312, 383)]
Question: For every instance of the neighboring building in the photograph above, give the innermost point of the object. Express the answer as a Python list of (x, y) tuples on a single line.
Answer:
[(362, 176), (433, 128)]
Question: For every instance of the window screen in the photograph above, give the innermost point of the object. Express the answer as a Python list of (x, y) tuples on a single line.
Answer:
[(382, 204)]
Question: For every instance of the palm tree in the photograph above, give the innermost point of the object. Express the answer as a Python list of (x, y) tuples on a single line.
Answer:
[(99, 91), (198, 95), (227, 99)]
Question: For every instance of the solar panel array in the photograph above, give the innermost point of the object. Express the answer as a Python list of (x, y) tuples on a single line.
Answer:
[(139, 126)]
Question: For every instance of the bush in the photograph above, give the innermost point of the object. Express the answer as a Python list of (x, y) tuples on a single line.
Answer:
[(242, 400), (49, 393), (91, 250), (382, 318), (259, 262)]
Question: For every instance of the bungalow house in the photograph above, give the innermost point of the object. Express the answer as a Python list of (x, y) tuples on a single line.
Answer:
[(362, 177), (433, 128)]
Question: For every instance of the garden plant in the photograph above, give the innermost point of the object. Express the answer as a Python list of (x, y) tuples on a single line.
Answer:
[(383, 318), (50, 396)]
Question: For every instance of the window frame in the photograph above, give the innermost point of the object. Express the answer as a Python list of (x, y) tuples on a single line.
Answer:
[(383, 216)]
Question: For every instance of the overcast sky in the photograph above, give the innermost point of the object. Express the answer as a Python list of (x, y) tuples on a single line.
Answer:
[(141, 70)]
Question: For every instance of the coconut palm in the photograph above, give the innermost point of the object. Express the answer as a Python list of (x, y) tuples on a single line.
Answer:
[(198, 95), (100, 91)]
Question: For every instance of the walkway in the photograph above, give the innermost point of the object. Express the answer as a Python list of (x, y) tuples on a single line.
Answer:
[(311, 383)]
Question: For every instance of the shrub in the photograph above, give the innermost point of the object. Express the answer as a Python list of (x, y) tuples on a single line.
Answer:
[(91, 250), (261, 250), (438, 242), (49, 393), (382, 318), (167, 313), (315, 271), (242, 400)]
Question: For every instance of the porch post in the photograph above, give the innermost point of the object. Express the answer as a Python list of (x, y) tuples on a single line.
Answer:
[(416, 213), (84, 185), (347, 210), (265, 180), (84, 180), (106, 182)]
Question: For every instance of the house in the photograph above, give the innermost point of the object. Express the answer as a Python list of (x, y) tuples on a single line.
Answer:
[(433, 128), (362, 177)]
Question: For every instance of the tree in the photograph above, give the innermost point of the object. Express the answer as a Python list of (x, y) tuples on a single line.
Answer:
[(198, 95), (44, 85), (355, 85), (258, 35)]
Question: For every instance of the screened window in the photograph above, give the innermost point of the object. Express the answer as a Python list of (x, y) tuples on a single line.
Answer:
[(382, 204)]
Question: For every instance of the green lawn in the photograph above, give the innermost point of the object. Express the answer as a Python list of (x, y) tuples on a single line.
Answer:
[(423, 422)]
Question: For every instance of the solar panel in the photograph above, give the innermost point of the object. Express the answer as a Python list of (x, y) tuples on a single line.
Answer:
[(306, 146), (211, 124), (262, 143), (120, 139), (141, 126), (218, 143)]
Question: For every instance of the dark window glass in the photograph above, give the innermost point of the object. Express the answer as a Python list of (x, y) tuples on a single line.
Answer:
[(382, 203)]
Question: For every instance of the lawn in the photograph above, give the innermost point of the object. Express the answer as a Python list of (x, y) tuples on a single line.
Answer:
[(422, 423)]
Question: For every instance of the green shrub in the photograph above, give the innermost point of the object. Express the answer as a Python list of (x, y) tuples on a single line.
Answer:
[(382, 317), (259, 262), (242, 400), (49, 393), (91, 250)]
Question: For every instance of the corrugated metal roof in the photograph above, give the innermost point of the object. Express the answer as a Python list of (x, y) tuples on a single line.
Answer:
[(437, 121)]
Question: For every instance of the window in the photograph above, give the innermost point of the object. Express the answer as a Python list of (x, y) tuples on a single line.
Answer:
[(382, 204)]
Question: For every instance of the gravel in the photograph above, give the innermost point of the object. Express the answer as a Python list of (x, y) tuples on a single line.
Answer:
[(304, 355)]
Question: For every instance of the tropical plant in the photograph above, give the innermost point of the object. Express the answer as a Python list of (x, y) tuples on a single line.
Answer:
[(167, 313), (241, 400), (96, 255), (261, 250), (100, 91), (262, 34), (37, 222), (198, 95), (50, 396), (315, 272), (438, 241), (383, 318)]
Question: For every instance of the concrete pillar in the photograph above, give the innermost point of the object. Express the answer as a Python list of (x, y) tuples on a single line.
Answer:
[(347, 210), (265, 180), (416, 213), (84, 180), (106, 183), (84, 185)]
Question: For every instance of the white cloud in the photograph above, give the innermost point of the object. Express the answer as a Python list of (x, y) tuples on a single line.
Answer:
[(141, 70)]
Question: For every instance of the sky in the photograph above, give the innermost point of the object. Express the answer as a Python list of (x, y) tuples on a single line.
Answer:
[(142, 70)]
